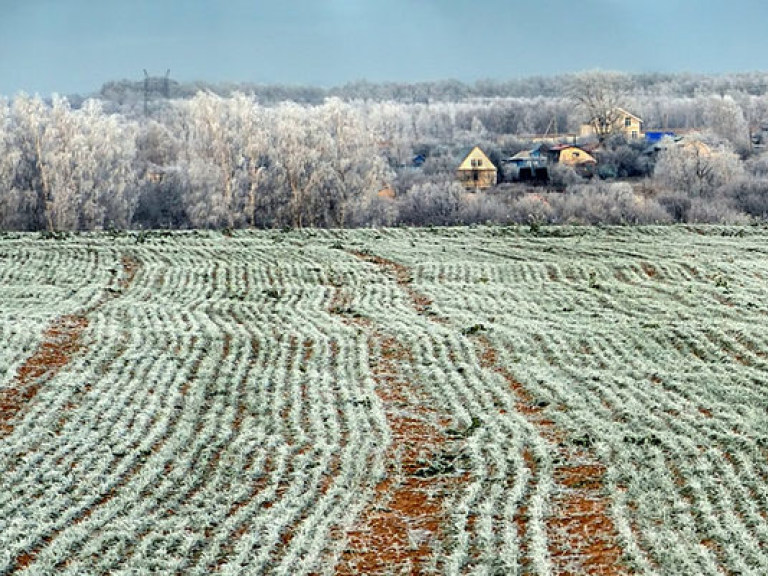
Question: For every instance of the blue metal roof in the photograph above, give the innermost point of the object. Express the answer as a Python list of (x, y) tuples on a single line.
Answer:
[(656, 136)]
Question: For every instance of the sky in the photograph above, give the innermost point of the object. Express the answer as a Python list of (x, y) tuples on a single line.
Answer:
[(74, 46)]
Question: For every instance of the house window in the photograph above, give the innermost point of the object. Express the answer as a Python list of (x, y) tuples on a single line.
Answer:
[(627, 121), (634, 134)]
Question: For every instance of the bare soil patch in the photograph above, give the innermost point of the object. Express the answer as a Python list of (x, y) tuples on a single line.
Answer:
[(60, 342), (583, 539)]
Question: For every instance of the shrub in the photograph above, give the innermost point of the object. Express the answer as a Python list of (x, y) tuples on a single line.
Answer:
[(431, 204), (715, 211), (749, 195), (608, 203), (483, 208), (562, 176), (677, 204), (532, 209)]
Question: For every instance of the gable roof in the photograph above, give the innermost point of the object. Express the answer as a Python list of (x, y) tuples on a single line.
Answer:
[(522, 155), (574, 151), (476, 154), (622, 111), (528, 154)]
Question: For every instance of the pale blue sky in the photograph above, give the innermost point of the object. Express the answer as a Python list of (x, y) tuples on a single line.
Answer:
[(70, 46)]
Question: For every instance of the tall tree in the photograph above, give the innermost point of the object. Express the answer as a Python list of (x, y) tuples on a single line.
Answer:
[(87, 167), (222, 144), (725, 118), (356, 164), (300, 142), (18, 202), (29, 126), (600, 94)]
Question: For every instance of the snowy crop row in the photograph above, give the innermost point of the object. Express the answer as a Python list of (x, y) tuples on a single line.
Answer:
[(243, 404)]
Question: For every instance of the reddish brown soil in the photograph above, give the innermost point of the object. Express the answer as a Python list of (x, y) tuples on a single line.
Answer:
[(396, 530), (60, 342), (649, 269), (402, 275), (582, 537), (130, 267), (23, 561)]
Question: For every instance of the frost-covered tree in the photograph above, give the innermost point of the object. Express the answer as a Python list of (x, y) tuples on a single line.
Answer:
[(325, 158), (356, 164), (87, 159), (725, 118), (393, 129), (298, 170), (18, 203), (27, 127), (215, 131), (78, 165), (157, 145), (696, 168), (599, 94)]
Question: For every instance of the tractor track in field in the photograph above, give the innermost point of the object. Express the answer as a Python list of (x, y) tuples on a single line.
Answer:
[(582, 538), (397, 529), (61, 342)]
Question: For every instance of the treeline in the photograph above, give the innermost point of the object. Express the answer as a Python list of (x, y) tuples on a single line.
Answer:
[(230, 161), (128, 95)]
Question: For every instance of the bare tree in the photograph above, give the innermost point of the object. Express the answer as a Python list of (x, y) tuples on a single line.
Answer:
[(356, 163), (222, 142), (298, 149), (696, 168), (599, 95), (87, 165)]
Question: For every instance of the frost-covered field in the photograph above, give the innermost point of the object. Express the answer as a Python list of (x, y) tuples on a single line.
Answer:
[(452, 401)]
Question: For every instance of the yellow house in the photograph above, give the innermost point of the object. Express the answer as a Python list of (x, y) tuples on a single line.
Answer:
[(623, 122), (477, 171), (571, 155), (697, 147), (692, 145)]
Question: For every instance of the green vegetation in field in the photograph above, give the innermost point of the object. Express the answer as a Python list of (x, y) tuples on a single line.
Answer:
[(255, 406)]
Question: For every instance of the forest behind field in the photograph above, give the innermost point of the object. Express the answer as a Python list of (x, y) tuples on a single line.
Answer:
[(141, 154)]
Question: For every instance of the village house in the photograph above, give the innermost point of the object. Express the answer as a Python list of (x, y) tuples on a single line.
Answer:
[(535, 165), (570, 155), (624, 123), (527, 165), (476, 171), (692, 145)]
